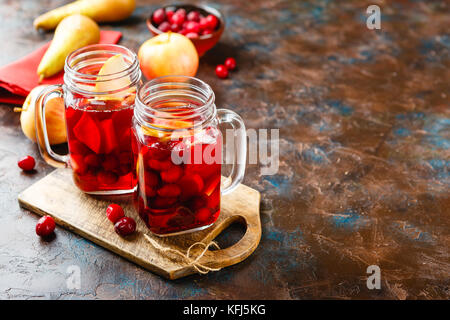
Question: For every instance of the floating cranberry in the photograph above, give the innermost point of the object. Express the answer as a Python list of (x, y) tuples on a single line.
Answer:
[(212, 21), (192, 35), (159, 16), (164, 202), (221, 71), (125, 226), (160, 165), (26, 163), (111, 163), (114, 212), (164, 27), (92, 160), (169, 190), (191, 185), (45, 226), (171, 175), (230, 63), (193, 16)]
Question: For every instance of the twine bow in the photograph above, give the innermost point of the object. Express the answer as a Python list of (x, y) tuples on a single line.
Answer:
[(200, 268)]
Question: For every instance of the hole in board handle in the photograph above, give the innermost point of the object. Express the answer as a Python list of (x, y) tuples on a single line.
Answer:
[(230, 235)]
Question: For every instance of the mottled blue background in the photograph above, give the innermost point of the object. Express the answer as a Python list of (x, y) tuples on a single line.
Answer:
[(364, 177)]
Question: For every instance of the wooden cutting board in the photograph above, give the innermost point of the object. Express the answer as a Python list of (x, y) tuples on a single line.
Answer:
[(57, 196)]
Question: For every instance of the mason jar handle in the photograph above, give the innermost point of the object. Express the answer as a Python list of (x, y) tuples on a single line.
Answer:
[(239, 147), (45, 149)]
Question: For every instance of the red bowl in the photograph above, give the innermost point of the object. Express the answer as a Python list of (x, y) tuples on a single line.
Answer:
[(204, 42)]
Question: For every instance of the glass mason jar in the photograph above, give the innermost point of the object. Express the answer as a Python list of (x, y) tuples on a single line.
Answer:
[(99, 107), (178, 154)]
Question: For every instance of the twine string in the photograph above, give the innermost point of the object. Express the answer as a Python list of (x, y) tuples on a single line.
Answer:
[(188, 257)]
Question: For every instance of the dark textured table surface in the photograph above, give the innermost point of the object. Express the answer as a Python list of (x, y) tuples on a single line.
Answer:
[(363, 177)]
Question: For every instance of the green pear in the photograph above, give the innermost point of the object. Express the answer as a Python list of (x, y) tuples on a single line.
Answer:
[(73, 32)]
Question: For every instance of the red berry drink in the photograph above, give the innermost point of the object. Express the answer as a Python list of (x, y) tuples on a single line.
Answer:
[(99, 138), (178, 178)]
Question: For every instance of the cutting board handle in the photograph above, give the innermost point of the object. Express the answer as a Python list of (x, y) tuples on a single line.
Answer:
[(241, 249)]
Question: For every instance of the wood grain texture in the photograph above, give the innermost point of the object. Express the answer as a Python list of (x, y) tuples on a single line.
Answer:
[(56, 195)]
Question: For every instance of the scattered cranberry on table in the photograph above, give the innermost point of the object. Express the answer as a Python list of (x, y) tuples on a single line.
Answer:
[(27, 163), (192, 24), (221, 71), (114, 212), (45, 226), (230, 63), (125, 226)]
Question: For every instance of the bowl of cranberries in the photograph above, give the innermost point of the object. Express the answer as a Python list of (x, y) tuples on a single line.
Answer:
[(202, 24)]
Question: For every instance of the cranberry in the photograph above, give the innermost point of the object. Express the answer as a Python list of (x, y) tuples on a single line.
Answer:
[(192, 35), (27, 163), (194, 16), (221, 71), (125, 226), (193, 27), (230, 63), (203, 24), (92, 160), (181, 12), (169, 190), (212, 21), (169, 15), (45, 226), (111, 163), (175, 27), (160, 165), (164, 202), (177, 18), (164, 27), (206, 31), (114, 212), (159, 16), (171, 175)]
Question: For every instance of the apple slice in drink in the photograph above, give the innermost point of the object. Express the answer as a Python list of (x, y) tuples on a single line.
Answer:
[(110, 79)]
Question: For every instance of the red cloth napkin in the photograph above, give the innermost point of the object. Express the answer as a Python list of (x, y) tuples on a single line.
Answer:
[(17, 79)]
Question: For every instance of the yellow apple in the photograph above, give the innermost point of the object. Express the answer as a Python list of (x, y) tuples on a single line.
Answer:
[(168, 54)]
